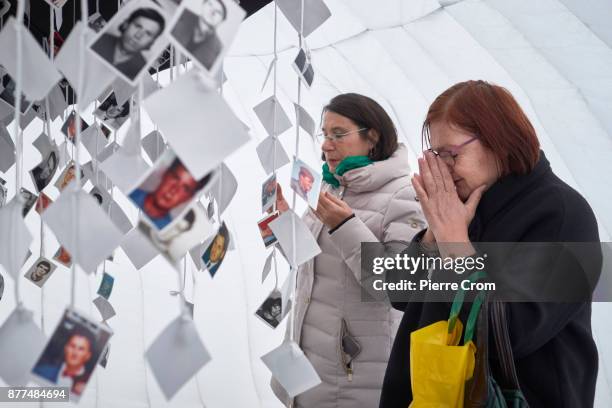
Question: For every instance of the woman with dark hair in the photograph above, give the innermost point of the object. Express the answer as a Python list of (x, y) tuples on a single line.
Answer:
[(485, 179), (367, 197)]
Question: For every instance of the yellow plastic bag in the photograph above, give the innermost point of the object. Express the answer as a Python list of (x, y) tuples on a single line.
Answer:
[(439, 366)]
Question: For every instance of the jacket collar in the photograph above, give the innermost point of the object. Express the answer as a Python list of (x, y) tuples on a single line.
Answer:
[(504, 191), (377, 174)]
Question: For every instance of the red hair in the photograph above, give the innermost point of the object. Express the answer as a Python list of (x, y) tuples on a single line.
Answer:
[(492, 114)]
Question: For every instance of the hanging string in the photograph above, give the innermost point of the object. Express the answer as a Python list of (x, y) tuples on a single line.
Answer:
[(274, 90), (297, 147), (17, 130)]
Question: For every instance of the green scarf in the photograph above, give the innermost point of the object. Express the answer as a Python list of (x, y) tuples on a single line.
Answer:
[(348, 163)]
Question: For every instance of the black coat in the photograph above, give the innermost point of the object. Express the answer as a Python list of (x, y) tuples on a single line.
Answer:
[(554, 352)]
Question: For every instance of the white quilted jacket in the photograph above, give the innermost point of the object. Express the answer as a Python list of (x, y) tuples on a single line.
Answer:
[(328, 288)]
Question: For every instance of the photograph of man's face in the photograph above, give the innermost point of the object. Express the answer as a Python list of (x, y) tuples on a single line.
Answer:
[(41, 269), (215, 253), (129, 41), (70, 356), (165, 193), (139, 34), (306, 180), (212, 13), (176, 187), (77, 353)]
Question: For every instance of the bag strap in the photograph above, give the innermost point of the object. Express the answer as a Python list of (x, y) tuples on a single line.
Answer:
[(458, 303), (501, 338)]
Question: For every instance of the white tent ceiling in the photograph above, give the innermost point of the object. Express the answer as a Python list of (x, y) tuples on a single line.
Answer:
[(554, 56)]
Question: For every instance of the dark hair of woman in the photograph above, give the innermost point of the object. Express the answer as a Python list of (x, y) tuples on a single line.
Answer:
[(366, 113)]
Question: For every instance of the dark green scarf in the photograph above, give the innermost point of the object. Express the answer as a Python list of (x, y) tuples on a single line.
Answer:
[(348, 163)]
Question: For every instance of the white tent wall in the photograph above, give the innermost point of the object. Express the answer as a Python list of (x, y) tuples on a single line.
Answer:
[(403, 54)]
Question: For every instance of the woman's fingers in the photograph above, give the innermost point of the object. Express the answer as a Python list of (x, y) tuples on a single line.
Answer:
[(428, 182), (434, 168), (417, 183), (449, 184)]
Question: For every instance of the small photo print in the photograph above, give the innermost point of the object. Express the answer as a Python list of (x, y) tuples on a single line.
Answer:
[(42, 203), (303, 67), (268, 193), (264, 229), (175, 241), (204, 30), (3, 192), (106, 286), (306, 182), (72, 353), (40, 271), (67, 176), (44, 172), (62, 256), (111, 114), (168, 190), (69, 127), (271, 310), (96, 22), (29, 199), (215, 253), (9, 87), (132, 39)]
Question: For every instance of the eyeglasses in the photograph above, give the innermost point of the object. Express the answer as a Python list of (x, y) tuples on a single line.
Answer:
[(335, 136), (449, 155)]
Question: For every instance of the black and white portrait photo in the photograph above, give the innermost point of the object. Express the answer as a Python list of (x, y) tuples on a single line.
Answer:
[(204, 29), (28, 199), (303, 67), (112, 114), (40, 271), (271, 310), (44, 172), (9, 87), (3, 192), (96, 22), (132, 39)]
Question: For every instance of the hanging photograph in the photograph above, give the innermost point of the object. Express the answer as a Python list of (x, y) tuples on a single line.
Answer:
[(132, 39), (215, 253), (205, 29), (72, 353), (111, 113), (40, 271)]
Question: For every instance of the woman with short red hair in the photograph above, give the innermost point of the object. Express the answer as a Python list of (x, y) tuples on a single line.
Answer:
[(484, 178)]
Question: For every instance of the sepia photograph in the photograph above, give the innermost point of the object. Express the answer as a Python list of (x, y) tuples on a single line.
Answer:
[(42, 203), (67, 176), (72, 353), (132, 39), (40, 271)]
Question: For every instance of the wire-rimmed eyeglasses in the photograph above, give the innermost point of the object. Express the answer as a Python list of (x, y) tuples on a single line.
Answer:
[(336, 136), (450, 153)]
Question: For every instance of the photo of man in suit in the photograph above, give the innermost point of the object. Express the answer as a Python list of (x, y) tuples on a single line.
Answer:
[(137, 34), (44, 172), (197, 33)]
